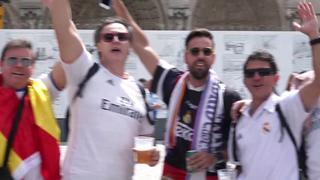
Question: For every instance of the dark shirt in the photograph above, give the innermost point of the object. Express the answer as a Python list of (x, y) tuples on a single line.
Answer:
[(187, 114)]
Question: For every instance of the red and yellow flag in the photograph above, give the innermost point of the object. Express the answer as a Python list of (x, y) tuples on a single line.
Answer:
[(37, 138)]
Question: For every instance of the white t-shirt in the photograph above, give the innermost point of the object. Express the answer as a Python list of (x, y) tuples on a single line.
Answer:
[(313, 146), (52, 88), (104, 122), (263, 154)]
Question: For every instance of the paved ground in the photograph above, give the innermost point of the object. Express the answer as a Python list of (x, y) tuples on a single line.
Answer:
[(141, 171)]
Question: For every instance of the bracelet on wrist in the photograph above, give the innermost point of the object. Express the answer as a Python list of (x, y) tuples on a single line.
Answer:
[(315, 41)]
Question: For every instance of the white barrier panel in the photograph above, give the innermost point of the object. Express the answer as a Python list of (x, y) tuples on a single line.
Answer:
[(291, 50)]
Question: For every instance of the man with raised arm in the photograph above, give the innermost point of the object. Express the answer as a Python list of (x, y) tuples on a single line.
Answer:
[(198, 102), (110, 111), (263, 145)]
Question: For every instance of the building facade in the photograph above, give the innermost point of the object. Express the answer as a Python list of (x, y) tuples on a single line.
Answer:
[(261, 15)]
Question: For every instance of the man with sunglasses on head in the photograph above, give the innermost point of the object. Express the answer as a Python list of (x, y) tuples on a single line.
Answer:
[(34, 153), (198, 119), (110, 111), (262, 144)]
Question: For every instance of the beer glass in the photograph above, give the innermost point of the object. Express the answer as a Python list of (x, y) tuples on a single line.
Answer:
[(143, 148)]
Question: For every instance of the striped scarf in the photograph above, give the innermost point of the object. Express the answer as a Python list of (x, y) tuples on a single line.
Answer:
[(204, 137)]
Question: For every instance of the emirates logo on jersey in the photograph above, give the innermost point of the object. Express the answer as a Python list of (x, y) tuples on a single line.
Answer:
[(124, 101)]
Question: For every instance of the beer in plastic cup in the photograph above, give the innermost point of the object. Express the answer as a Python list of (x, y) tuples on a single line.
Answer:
[(143, 148)]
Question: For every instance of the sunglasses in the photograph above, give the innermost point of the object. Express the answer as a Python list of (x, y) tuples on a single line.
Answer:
[(206, 51), (13, 61), (249, 73), (109, 37)]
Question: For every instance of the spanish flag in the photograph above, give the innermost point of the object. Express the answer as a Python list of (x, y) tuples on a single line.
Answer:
[(36, 142)]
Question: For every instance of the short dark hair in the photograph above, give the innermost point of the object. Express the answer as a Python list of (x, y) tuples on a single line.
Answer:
[(111, 20), (14, 44), (200, 32), (262, 55)]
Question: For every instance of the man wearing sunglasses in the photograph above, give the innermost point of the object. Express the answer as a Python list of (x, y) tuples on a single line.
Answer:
[(35, 146), (110, 111), (198, 119), (263, 145)]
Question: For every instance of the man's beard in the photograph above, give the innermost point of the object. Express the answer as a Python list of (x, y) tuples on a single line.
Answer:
[(199, 74)]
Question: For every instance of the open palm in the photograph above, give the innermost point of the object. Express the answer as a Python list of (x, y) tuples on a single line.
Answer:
[(309, 23)]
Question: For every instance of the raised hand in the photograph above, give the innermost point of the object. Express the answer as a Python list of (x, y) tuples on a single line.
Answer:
[(309, 25)]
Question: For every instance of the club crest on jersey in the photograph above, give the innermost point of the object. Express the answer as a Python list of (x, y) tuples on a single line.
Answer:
[(266, 128), (187, 117)]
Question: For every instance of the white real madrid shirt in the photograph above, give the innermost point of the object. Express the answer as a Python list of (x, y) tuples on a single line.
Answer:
[(261, 151), (103, 125)]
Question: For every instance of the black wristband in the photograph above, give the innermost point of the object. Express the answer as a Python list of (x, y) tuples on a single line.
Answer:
[(315, 41)]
